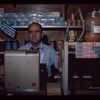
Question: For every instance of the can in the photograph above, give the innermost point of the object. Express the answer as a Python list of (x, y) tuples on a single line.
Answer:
[(73, 22), (52, 43), (8, 44), (79, 23), (71, 40), (72, 46), (14, 44), (68, 22), (75, 33), (2, 45), (71, 33)]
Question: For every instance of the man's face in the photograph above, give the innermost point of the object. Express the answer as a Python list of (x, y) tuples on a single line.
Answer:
[(35, 34)]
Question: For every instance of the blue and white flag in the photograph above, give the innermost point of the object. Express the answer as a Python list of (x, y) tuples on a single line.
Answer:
[(8, 29)]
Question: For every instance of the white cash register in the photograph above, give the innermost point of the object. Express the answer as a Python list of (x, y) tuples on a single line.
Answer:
[(22, 71)]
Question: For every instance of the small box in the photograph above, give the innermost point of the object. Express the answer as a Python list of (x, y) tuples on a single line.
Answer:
[(1, 10), (55, 14)]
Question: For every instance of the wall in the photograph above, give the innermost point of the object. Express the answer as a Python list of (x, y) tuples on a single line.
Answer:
[(34, 8), (85, 8), (65, 9)]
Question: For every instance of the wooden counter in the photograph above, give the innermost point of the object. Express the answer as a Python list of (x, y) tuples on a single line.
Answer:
[(54, 88)]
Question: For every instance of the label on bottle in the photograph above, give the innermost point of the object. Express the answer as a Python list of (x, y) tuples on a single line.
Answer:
[(96, 29), (14, 46), (8, 46), (89, 28)]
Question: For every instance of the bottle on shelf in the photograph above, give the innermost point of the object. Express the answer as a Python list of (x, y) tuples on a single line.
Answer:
[(27, 41), (52, 43), (92, 26)]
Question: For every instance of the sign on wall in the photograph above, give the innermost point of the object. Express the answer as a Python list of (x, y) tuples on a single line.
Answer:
[(88, 50)]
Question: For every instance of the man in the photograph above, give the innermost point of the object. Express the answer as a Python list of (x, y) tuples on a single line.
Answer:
[(47, 54)]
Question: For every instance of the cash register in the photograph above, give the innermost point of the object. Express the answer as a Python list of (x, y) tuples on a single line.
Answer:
[(23, 72)]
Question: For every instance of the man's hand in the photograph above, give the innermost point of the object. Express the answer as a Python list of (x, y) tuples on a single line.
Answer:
[(60, 47), (60, 44)]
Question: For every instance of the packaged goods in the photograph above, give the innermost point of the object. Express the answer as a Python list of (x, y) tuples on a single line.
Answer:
[(8, 44), (55, 14), (52, 43), (71, 33), (79, 23), (49, 14), (1, 10), (27, 41), (62, 23), (24, 19), (72, 16), (14, 44), (68, 22), (73, 22), (59, 18)]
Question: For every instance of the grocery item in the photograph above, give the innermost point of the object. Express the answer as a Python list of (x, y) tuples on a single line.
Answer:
[(92, 26)]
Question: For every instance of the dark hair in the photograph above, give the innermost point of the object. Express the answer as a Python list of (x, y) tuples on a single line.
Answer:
[(35, 24)]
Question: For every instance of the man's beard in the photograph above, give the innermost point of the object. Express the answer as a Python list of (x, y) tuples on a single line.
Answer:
[(37, 42)]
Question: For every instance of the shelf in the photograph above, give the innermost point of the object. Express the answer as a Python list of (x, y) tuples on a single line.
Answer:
[(50, 26), (1, 52), (84, 76)]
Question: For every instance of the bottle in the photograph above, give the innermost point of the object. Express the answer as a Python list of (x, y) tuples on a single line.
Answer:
[(73, 21), (92, 26), (52, 43), (14, 44)]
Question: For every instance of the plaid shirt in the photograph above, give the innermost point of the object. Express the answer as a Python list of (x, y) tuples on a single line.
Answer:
[(47, 55)]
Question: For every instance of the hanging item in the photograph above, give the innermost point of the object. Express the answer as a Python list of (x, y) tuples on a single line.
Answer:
[(8, 29)]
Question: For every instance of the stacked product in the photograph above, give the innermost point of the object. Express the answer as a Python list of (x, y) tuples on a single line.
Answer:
[(73, 21), (24, 19), (72, 37)]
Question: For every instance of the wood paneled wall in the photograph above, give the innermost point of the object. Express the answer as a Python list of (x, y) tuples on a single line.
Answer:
[(65, 9), (85, 8), (35, 8)]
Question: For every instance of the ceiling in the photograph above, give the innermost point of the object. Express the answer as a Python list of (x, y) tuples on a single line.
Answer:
[(49, 1)]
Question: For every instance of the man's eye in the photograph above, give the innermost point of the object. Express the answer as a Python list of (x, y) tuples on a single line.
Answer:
[(37, 31), (34, 31), (30, 31)]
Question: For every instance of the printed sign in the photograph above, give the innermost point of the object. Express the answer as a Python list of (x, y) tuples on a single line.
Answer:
[(88, 50)]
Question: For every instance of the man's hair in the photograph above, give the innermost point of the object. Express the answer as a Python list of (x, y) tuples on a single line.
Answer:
[(35, 24)]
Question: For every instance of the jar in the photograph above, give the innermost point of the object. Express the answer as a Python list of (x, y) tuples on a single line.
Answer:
[(8, 44), (2, 45), (52, 43), (14, 44), (92, 26), (27, 41)]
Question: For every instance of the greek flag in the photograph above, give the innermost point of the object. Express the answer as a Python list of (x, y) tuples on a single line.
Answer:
[(8, 29)]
